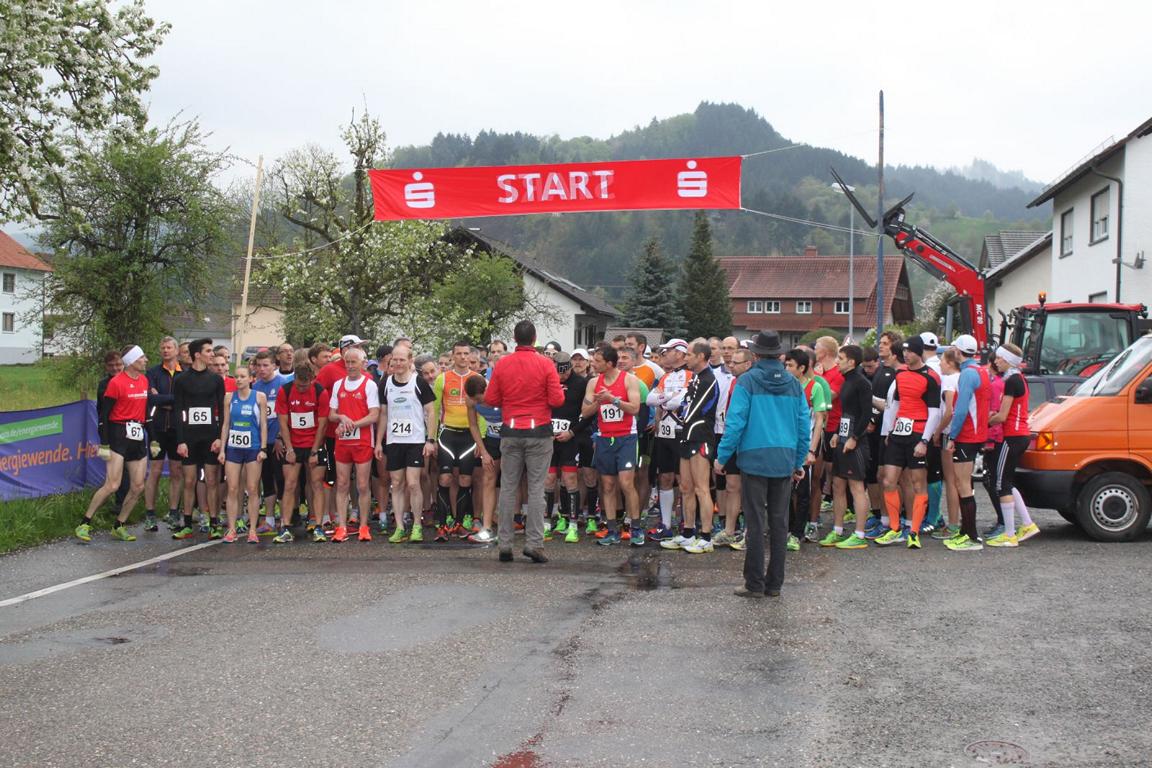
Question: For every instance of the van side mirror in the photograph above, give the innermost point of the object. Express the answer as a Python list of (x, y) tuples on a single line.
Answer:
[(1144, 391)]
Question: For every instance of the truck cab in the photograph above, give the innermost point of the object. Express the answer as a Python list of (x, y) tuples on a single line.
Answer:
[(1090, 457)]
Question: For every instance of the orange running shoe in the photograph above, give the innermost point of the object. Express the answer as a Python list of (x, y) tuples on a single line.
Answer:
[(601, 533), (441, 533), (626, 534), (339, 535), (364, 534), (353, 522)]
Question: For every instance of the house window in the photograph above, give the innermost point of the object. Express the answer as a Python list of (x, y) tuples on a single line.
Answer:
[(803, 307), (9, 282), (772, 307), (842, 307), (1098, 298), (9, 322), (1066, 233), (1100, 206), (755, 307)]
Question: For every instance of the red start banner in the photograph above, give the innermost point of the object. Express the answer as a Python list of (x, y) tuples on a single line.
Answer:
[(511, 190)]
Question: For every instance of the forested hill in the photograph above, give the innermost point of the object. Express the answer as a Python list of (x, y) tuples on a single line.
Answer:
[(597, 249)]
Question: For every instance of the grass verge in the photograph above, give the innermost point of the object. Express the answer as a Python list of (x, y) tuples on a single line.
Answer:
[(29, 522), (24, 387)]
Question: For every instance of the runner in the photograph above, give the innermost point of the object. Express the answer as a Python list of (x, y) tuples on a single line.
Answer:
[(589, 477), (198, 399), (332, 372), (614, 397), (1013, 415), (949, 376), (123, 408), (696, 418), (888, 362), (285, 359), (908, 426), (967, 432), (566, 423), (354, 407), (113, 364), (300, 408), (828, 369), (739, 362), (404, 439), (665, 399), (269, 381), (220, 368), (580, 362), (484, 424), (798, 363), (319, 355), (162, 434), (933, 521), (850, 449), (456, 455), (243, 434)]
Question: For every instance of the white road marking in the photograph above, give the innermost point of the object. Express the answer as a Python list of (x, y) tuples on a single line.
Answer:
[(104, 575)]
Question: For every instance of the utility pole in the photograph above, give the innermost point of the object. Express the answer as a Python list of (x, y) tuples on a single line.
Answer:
[(242, 321), (880, 239)]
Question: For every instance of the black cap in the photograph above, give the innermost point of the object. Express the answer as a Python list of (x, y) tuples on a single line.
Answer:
[(915, 345)]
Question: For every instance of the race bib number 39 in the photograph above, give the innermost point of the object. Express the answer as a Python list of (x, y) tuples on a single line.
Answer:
[(845, 428), (667, 430), (903, 427), (611, 413), (199, 416), (134, 430), (239, 439)]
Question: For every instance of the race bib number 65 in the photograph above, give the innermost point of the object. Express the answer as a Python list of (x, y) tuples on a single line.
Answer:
[(199, 416)]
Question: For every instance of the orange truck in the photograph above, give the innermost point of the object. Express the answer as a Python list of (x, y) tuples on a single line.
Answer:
[(1090, 457)]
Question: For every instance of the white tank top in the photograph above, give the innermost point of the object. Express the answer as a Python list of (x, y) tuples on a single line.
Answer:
[(405, 412)]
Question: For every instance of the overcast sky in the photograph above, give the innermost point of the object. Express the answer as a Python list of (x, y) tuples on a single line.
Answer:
[(1027, 85)]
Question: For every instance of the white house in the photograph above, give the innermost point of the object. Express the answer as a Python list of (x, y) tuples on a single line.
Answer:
[(1015, 274), (1102, 223), (21, 276)]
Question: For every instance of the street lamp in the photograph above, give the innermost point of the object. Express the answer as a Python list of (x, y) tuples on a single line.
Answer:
[(851, 261)]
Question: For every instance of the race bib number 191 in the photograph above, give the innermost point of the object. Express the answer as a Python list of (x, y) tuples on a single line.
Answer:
[(611, 413)]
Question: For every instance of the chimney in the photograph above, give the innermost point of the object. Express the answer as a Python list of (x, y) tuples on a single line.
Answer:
[(810, 250)]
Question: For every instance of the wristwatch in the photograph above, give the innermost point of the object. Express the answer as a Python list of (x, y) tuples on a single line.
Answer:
[(616, 402)]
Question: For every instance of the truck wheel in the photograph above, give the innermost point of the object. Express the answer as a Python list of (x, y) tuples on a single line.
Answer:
[(1113, 506)]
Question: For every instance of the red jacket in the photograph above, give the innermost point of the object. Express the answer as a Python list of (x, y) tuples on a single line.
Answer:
[(526, 387)]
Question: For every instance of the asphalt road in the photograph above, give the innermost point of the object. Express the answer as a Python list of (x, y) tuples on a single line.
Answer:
[(374, 655)]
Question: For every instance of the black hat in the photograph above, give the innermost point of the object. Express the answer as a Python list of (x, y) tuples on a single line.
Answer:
[(915, 344), (766, 343)]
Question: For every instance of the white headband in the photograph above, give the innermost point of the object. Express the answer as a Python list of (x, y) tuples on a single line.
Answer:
[(132, 355), (1013, 359)]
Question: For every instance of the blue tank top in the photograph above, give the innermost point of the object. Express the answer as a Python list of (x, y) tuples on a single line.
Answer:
[(244, 422)]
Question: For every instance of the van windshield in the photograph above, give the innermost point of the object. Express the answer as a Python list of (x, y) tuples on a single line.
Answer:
[(1112, 378)]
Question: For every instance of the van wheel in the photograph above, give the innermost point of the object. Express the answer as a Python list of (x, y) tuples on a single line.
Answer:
[(1113, 506)]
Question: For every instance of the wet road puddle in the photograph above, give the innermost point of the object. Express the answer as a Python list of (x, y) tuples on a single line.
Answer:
[(997, 753), (648, 572), (56, 643)]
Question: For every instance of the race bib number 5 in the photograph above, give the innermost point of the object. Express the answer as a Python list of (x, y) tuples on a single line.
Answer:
[(239, 439), (611, 413), (303, 420), (903, 427), (199, 416)]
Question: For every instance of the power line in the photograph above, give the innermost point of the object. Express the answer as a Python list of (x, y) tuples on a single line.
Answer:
[(809, 222)]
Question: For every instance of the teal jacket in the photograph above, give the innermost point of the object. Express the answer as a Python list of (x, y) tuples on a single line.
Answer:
[(766, 425)]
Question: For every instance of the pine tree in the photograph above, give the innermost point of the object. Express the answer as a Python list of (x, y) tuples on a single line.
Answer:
[(650, 302), (704, 302)]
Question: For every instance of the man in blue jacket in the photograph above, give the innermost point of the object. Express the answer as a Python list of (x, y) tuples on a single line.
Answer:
[(766, 427)]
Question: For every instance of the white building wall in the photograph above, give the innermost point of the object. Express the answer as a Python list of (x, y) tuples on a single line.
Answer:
[(24, 343), (1136, 284), (1020, 286)]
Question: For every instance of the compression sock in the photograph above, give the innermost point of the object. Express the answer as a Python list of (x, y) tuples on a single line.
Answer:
[(549, 503), (443, 505), (573, 504), (968, 517), (1009, 518), (463, 502), (919, 509), (892, 503), (935, 493), (1021, 508), (667, 501), (591, 495), (187, 521)]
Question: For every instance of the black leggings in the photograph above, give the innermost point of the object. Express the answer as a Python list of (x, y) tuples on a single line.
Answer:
[(1001, 473)]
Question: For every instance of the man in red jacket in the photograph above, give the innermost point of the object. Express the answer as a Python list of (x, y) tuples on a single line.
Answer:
[(526, 387)]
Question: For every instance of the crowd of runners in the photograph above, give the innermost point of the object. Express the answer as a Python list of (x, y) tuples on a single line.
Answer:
[(333, 443)]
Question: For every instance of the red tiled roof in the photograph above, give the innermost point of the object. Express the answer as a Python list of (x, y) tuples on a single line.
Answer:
[(806, 277), (12, 254)]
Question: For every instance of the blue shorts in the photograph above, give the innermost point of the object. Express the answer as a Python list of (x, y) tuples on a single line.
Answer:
[(240, 455), (614, 455)]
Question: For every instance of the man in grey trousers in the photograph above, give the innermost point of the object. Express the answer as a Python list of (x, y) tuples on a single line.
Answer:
[(766, 428), (526, 387)]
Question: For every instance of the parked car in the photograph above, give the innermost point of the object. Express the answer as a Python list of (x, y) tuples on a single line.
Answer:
[(1090, 457)]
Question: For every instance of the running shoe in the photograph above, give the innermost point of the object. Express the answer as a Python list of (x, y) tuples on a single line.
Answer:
[(963, 544), (253, 537), (561, 525), (216, 532), (610, 538), (994, 531), (353, 522), (399, 536), (339, 534), (676, 542), (592, 527), (441, 533), (833, 538), (722, 539), (826, 505), (573, 534), (739, 543), (230, 536), (417, 534), (660, 533), (547, 532), (1025, 532), (173, 520), (874, 528), (150, 524), (318, 534), (184, 533), (812, 533), (626, 535), (890, 537), (636, 536), (120, 533), (204, 527), (284, 537), (364, 533), (793, 544), (855, 541), (699, 546), (466, 523), (849, 516), (601, 533), (241, 526), (264, 529), (913, 540), (946, 532), (1003, 540), (482, 536), (84, 532)]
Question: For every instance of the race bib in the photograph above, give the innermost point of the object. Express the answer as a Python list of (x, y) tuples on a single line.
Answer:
[(666, 430), (303, 420), (401, 428), (199, 417), (353, 434), (611, 413), (270, 409), (845, 428), (494, 429), (903, 427), (560, 425), (134, 430), (239, 438)]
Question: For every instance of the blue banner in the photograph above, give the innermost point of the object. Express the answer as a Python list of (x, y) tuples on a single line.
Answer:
[(49, 450)]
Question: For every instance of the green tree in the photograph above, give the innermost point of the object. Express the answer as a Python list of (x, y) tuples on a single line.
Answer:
[(475, 301), (347, 273), (703, 291), (70, 66), (650, 303), (137, 229)]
